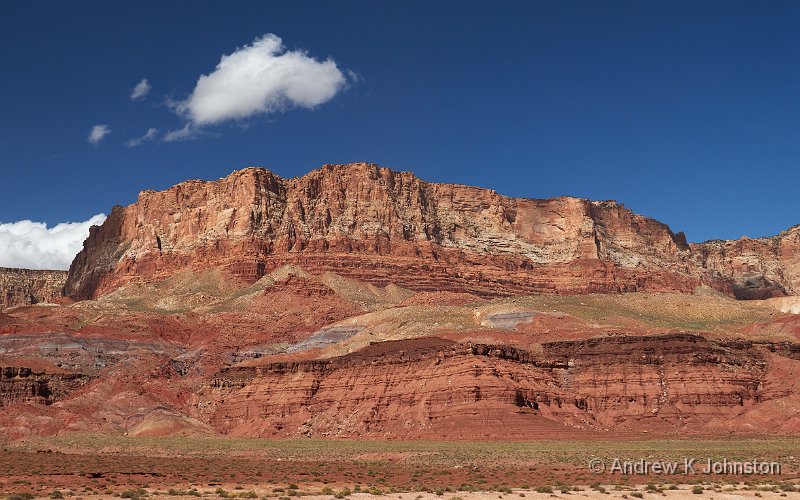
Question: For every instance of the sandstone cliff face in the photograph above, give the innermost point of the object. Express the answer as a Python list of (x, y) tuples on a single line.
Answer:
[(432, 387), (19, 287), (381, 226), (759, 268)]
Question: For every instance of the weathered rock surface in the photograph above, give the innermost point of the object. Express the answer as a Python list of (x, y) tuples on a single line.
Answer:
[(22, 384), (20, 287), (381, 226), (433, 387)]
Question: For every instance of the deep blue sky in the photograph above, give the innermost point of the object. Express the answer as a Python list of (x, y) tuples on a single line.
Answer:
[(685, 111)]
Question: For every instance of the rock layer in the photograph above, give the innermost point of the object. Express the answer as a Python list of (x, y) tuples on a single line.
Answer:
[(382, 226), (24, 385), (433, 387), (20, 287)]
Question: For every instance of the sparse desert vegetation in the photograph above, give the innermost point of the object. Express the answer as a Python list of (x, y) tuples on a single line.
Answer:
[(257, 468)]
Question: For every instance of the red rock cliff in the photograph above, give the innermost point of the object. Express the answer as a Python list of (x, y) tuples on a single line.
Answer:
[(382, 226), (19, 287)]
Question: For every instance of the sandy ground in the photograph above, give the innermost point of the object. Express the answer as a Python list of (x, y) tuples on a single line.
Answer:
[(726, 492)]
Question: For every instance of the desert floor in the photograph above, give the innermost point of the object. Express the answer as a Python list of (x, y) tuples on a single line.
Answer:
[(95, 466)]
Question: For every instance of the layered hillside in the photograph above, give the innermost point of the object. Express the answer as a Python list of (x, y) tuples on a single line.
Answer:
[(19, 287), (298, 353), (433, 387), (381, 226)]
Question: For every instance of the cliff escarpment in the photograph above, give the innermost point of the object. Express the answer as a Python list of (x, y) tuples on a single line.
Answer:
[(380, 226)]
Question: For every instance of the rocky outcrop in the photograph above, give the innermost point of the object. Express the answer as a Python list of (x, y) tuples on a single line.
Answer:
[(19, 287), (382, 226), (24, 385), (758, 268), (434, 387)]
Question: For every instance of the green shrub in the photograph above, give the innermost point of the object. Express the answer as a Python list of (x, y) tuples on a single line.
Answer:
[(637, 494), (544, 489), (134, 494), (697, 490)]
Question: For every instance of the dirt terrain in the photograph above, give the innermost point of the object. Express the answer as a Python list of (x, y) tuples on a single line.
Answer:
[(92, 466)]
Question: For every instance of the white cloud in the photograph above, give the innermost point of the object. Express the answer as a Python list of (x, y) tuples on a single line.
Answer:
[(147, 137), (181, 134), (355, 77), (97, 133), (261, 78), (141, 90), (32, 245)]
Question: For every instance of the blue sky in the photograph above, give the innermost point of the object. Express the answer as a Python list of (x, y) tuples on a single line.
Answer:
[(685, 111)]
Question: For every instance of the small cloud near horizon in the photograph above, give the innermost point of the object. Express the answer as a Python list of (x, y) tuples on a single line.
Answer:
[(260, 78), (98, 133), (141, 90), (33, 245)]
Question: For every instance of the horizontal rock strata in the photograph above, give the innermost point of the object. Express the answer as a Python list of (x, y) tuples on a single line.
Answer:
[(438, 388), (381, 226)]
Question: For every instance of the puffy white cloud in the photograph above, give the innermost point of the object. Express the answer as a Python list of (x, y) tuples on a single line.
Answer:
[(147, 137), (33, 245), (141, 90), (97, 133), (261, 78)]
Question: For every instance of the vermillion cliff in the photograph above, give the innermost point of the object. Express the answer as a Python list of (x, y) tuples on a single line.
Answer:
[(356, 301), (20, 287), (381, 226)]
